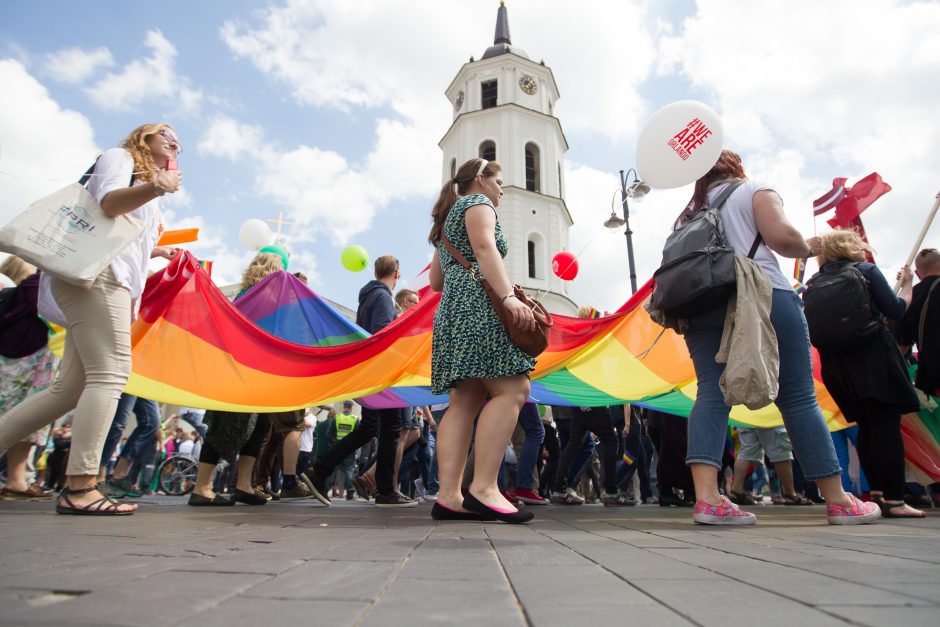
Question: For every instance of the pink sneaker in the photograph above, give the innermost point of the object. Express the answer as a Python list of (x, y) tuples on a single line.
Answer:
[(858, 514), (725, 514), (527, 496)]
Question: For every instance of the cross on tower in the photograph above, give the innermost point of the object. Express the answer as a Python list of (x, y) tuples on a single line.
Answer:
[(280, 223)]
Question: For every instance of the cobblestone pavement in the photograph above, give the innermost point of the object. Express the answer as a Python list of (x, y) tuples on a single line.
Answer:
[(352, 564)]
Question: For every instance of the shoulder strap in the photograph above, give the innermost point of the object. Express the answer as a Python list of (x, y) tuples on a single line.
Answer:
[(923, 316), (454, 252), (720, 201), (90, 171)]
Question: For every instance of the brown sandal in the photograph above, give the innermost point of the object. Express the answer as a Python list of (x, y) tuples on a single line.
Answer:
[(105, 506)]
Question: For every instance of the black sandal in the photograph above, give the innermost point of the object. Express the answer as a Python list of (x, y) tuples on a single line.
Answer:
[(886, 508), (105, 506)]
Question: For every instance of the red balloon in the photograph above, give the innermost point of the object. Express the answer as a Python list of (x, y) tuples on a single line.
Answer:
[(565, 265)]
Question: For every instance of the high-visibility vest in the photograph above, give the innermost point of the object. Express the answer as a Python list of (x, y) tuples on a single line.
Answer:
[(345, 423)]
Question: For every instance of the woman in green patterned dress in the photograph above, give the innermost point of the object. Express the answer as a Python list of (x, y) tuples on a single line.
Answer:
[(472, 357)]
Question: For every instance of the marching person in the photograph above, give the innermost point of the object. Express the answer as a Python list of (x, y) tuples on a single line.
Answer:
[(473, 357), (96, 363)]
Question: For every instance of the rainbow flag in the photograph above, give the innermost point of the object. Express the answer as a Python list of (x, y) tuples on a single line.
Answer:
[(282, 347)]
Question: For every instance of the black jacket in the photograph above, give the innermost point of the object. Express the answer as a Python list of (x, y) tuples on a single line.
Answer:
[(376, 307)]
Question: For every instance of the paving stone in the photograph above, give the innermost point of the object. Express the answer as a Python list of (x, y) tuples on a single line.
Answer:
[(252, 611), (300, 563), (355, 581)]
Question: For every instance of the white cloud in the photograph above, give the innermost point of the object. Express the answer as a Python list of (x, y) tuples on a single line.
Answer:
[(149, 79), (839, 93), (75, 65), (45, 146)]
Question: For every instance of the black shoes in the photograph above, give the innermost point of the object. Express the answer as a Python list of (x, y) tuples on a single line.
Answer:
[(472, 504), (395, 499), (440, 512), (669, 497), (249, 498), (317, 485), (198, 500)]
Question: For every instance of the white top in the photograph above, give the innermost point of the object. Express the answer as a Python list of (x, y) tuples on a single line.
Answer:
[(113, 171), (306, 436), (737, 216), (186, 447)]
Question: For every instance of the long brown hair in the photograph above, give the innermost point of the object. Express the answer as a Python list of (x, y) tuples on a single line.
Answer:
[(728, 166), (136, 144), (455, 187)]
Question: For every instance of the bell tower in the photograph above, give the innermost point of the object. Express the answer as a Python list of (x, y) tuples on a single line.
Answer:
[(503, 107)]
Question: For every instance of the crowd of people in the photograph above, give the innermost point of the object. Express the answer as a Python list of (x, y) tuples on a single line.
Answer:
[(489, 453)]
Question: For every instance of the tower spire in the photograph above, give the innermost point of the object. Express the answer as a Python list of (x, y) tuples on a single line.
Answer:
[(502, 25)]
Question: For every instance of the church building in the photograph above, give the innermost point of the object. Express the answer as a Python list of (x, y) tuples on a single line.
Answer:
[(503, 107)]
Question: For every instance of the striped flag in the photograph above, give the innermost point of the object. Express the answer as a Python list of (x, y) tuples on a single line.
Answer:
[(207, 266), (830, 199)]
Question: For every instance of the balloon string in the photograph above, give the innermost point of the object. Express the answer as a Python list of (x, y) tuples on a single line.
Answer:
[(62, 178), (543, 291)]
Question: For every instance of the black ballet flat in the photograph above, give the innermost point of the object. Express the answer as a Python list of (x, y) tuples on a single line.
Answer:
[(472, 504), (440, 512)]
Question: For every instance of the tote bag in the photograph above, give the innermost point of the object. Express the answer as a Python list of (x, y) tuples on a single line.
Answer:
[(68, 236)]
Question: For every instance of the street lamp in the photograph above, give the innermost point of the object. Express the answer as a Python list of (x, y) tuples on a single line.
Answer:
[(637, 190)]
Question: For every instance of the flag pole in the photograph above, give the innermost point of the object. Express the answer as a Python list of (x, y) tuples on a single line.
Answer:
[(921, 237)]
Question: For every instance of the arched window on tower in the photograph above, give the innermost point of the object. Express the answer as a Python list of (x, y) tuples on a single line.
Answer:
[(532, 167), (453, 167), (535, 256), (488, 150)]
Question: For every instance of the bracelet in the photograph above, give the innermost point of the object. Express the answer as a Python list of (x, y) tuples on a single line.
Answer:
[(509, 295), (159, 191)]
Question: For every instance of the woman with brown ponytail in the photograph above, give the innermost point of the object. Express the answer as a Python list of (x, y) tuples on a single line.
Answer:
[(472, 356), (97, 358)]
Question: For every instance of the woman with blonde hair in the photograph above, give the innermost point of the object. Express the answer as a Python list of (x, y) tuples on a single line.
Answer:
[(472, 355), (865, 373), (96, 363)]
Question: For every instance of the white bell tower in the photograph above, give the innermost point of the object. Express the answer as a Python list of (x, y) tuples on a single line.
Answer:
[(503, 111)]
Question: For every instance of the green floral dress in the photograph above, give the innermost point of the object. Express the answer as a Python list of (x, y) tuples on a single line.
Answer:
[(469, 340)]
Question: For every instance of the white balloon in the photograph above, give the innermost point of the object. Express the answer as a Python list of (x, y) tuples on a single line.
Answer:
[(255, 234), (680, 143)]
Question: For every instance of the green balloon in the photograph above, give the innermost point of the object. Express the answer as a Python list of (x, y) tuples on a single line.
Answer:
[(274, 249), (355, 258)]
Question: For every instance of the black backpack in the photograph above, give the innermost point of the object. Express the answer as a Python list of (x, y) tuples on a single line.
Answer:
[(697, 272), (838, 309)]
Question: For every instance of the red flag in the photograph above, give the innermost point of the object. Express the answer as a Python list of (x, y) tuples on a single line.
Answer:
[(831, 198), (857, 198)]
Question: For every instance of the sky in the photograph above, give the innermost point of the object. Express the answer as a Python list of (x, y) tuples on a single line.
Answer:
[(331, 112)]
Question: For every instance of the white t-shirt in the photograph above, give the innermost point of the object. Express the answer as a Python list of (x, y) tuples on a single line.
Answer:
[(113, 171), (306, 436), (186, 447), (737, 216)]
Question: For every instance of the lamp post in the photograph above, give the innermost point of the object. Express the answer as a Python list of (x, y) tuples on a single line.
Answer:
[(637, 190)]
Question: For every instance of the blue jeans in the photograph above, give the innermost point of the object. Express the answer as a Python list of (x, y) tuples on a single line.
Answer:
[(433, 484), (148, 420), (796, 399), (196, 420), (841, 441), (531, 423), (580, 458)]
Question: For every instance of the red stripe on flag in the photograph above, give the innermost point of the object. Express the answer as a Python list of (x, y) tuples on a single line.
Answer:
[(831, 198)]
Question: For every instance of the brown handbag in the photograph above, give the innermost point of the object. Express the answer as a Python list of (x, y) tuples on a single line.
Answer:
[(532, 343)]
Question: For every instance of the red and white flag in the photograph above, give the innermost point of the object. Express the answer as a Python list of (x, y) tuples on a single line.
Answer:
[(831, 198)]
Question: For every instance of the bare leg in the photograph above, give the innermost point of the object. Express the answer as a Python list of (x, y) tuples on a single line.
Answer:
[(16, 466), (203, 485), (785, 472), (121, 469), (705, 478), (246, 464), (453, 440), (740, 474), (290, 452), (831, 490), (494, 428)]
